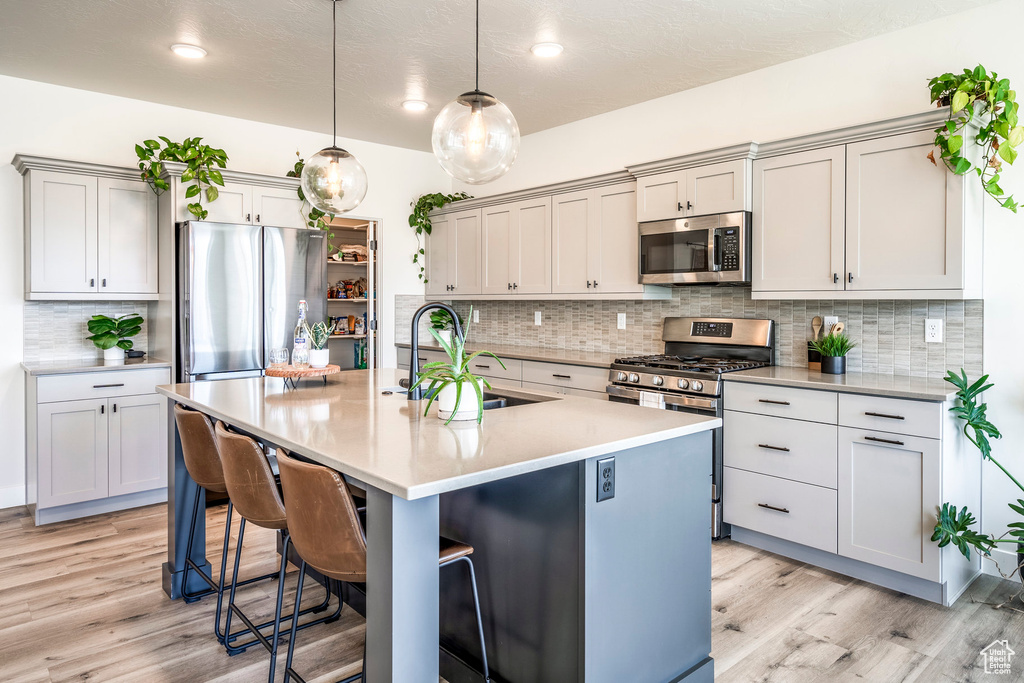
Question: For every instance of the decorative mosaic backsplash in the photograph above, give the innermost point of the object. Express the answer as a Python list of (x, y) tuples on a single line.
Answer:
[(56, 330), (889, 334)]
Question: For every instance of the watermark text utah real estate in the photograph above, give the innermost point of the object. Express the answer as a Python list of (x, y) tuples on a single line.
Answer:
[(997, 656)]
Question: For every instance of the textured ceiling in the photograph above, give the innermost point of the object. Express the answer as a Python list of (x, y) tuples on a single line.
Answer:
[(269, 60)]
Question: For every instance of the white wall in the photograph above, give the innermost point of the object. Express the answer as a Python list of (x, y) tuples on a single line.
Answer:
[(48, 120), (874, 79)]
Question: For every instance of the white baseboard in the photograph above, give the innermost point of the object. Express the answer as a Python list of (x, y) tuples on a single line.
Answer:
[(1006, 561), (12, 496)]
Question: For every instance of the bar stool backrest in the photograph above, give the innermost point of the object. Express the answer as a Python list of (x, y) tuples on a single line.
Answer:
[(199, 448), (322, 519), (249, 479)]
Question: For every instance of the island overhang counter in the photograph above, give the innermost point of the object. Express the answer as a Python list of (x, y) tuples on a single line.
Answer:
[(572, 588)]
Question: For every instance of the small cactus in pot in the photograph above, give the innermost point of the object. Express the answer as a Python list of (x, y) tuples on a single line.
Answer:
[(319, 354)]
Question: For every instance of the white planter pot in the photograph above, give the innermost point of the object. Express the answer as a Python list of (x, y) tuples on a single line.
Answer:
[(446, 335), (113, 355), (319, 358), (469, 409)]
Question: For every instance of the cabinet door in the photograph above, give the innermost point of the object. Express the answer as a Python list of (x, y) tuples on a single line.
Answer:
[(436, 245), (530, 247), (137, 433), (888, 495), (465, 256), (233, 204), (717, 188), (72, 451), (799, 214), (279, 207), (497, 229), (62, 232), (616, 239), (661, 196), (127, 237), (570, 236), (904, 216)]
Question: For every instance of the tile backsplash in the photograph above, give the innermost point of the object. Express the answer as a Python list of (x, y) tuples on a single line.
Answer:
[(889, 334), (56, 330)]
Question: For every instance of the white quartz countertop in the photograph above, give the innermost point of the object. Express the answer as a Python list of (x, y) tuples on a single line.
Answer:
[(894, 386), (597, 359), (386, 441), (66, 367)]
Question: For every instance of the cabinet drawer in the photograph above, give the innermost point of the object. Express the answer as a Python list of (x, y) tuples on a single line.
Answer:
[(485, 366), (800, 513), (798, 404), (900, 416), (791, 449), (562, 375), (88, 385)]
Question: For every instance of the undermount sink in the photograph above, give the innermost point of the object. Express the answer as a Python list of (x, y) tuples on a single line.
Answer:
[(492, 399)]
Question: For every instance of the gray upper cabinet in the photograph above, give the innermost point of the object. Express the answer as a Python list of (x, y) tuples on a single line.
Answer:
[(571, 221), (453, 254), (89, 237), (233, 204), (698, 191), (904, 217), (798, 222), (497, 228), (436, 248), (279, 207), (517, 247)]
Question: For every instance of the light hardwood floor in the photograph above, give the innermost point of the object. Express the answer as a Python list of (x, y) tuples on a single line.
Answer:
[(82, 601)]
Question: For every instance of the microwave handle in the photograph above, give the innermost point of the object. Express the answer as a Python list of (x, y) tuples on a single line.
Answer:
[(716, 249)]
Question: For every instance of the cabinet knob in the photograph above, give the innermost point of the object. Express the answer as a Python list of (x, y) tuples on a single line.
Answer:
[(104, 283), (515, 285), (680, 205), (102, 409), (92, 282), (850, 275), (510, 285), (835, 278), (113, 408), (257, 218), (595, 284), (248, 218), (588, 284)]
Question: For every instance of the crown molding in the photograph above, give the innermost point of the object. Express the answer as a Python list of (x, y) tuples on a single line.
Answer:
[(24, 163), (588, 183), (857, 133), (746, 150), (174, 169)]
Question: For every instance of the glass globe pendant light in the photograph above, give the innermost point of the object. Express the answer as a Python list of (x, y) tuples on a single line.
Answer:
[(475, 138), (332, 179)]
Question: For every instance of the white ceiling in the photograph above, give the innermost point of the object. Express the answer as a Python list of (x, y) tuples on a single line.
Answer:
[(269, 60)]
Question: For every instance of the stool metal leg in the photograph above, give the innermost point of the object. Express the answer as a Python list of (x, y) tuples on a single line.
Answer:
[(479, 619), (290, 673)]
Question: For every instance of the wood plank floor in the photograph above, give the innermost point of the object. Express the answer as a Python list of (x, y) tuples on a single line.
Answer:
[(82, 600)]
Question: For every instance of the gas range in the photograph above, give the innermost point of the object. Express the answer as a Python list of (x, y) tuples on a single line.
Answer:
[(688, 374)]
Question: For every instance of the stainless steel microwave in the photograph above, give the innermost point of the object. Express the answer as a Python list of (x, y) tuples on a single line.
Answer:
[(700, 250)]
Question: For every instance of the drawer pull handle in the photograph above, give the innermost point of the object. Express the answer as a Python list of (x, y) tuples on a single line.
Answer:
[(776, 403), (894, 442), (555, 374), (887, 417), (102, 409), (107, 386), (772, 507), (483, 367), (773, 448)]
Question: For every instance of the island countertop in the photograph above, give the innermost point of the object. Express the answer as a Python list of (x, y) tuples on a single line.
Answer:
[(350, 425)]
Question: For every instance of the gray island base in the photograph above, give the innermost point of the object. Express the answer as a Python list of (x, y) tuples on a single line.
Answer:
[(571, 589)]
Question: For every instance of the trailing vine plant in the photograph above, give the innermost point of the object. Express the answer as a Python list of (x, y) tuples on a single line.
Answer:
[(981, 97), (419, 220), (201, 164)]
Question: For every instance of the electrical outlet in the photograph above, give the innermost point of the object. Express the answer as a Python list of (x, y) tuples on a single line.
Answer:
[(933, 331), (621, 321), (536, 317), (830, 321), (605, 478), (476, 315)]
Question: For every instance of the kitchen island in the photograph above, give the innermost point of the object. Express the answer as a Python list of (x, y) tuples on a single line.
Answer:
[(572, 589)]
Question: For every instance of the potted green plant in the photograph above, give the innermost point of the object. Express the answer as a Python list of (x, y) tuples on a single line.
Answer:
[(113, 335), (419, 220), (201, 169), (319, 354), (955, 526), (443, 323), (833, 348), (446, 381)]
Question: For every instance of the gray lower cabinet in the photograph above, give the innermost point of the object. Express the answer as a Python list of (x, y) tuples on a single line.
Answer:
[(850, 483), (97, 442)]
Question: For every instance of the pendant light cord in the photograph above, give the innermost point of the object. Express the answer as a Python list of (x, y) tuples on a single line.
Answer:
[(478, 45), (334, 65)]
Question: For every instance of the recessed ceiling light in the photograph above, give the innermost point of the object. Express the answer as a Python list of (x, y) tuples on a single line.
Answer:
[(547, 49), (188, 51), (414, 105)]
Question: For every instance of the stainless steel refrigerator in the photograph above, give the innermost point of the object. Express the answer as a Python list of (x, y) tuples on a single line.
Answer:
[(239, 288)]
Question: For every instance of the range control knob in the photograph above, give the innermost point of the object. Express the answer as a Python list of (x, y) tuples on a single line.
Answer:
[(657, 380), (683, 383), (621, 377), (697, 385), (633, 377)]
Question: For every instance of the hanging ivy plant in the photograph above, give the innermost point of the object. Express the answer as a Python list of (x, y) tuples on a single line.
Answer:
[(314, 217), (982, 97), (419, 220), (201, 164)]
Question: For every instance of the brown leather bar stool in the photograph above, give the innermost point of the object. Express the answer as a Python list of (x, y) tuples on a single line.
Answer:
[(199, 448), (330, 538), (254, 492)]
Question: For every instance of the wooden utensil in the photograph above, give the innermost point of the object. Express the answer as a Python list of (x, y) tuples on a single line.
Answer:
[(816, 326), (837, 328)]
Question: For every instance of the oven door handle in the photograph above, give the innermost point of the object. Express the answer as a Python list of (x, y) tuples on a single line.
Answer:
[(700, 402)]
